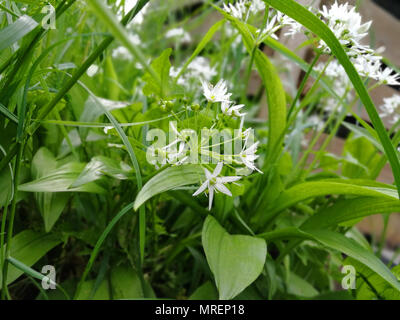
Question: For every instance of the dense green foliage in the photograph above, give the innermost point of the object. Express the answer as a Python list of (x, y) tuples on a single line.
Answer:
[(78, 192)]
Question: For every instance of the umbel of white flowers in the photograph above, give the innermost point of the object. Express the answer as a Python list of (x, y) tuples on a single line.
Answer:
[(346, 23)]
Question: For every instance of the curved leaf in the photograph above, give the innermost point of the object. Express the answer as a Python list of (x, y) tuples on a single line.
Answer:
[(60, 180), (350, 209), (308, 190), (235, 260), (169, 179), (28, 247)]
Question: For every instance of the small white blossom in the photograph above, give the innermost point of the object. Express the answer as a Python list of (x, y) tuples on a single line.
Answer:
[(92, 70), (215, 183), (277, 22), (121, 53), (230, 109), (238, 10), (346, 24), (388, 76), (178, 33), (217, 93), (391, 107), (248, 156), (200, 67)]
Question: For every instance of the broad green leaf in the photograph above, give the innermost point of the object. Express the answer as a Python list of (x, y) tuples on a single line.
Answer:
[(206, 291), (235, 260), (169, 179), (308, 190), (126, 283), (379, 285), (364, 153), (28, 247), (100, 166), (362, 132), (338, 242), (50, 205), (15, 31), (61, 180), (300, 287), (351, 248), (161, 66), (102, 292), (314, 24), (276, 97), (350, 209)]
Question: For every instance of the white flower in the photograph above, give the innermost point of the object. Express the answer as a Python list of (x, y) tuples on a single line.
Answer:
[(217, 93), (121, 53), (278, 21), (238, 10), (391, 107), (316, 122), (178, 33), (215, 183), (230, 109), (200, 67), (248, 156), (92, 70), (346, 24), (257, 6), (388, 76)]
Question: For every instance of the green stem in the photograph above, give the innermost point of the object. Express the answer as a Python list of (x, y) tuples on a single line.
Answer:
[(17, 169), (303, 83)]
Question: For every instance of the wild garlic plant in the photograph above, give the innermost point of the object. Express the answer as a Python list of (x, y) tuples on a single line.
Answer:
[(153, 149)]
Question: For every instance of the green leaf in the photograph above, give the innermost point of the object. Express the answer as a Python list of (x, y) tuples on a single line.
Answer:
[(161, 66), (206, 291), (15, 31), (235, 260), (338, 242), (351, 248), (308, 190), (50, 204), (102, 292), (126, 283), (314, 24), (168, 179), (28, 247), (376, 285), (6, 183), (100, 166), (300, 287), (11, 116), (60, 180), (350, 209)]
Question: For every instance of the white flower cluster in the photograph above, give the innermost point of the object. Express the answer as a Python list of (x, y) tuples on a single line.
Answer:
[(346, 23), (185, 146), (241, 9), (199, 68), (277, 21), (180, 34), (341, 84), (391, 107)]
